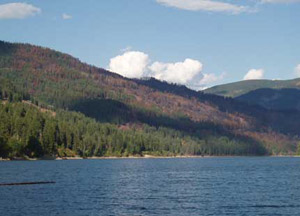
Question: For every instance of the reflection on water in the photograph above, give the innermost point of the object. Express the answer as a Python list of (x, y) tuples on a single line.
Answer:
[(192, 186)]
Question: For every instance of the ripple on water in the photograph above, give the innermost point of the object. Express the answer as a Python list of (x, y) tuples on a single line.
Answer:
[(204, 186)]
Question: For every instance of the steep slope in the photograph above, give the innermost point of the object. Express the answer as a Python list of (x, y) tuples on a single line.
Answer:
[(275, 99), (59, 81), (239, 88), (263, 118), (27, 130), (62, 81)]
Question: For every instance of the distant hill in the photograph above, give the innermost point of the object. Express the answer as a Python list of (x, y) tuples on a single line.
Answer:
[(145, 115), (276, 99), (239, 88)]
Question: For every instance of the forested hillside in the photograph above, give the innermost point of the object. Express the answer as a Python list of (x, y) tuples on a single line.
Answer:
[(181, 120), (25, 130), (239, 88), (275, 99), (280, 95)]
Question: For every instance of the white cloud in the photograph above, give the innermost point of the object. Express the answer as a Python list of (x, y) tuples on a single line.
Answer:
[(297, 70), (179, 72), (135, 64), (206, 80), (205, 5), (254, 74), (131, 64), (211, 78), (66, 16), (18, 10)]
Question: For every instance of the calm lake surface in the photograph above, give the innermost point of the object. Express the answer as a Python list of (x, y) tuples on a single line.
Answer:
[(192, 186)]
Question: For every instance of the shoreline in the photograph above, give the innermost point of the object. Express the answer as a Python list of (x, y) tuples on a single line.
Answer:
[(140, 157)]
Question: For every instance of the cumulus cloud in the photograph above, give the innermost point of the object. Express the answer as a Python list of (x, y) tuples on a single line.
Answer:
[(205, 5), (211, 78), (131, 64), (254, 74), (205, 81), (66, 16), (18, 10), (179, 72), (297, 70), (135, 64)]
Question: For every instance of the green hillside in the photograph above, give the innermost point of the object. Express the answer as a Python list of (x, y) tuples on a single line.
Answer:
[(275, 99), (239, 88), (139, 116)]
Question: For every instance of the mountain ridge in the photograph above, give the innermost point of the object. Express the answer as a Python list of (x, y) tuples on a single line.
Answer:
[(275, 99), (236, 89), (49, 78)]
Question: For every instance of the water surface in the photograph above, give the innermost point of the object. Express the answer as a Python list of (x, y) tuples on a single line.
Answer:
[(191, 186)]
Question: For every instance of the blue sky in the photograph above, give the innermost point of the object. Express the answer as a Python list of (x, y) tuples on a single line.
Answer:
[(199, 43)]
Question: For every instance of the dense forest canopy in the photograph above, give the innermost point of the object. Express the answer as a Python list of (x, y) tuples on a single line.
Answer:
[(237, 89), (286, 99), (25, 130), (78, 109)]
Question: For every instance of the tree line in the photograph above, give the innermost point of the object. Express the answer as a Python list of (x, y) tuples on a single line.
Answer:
[(27, 131)]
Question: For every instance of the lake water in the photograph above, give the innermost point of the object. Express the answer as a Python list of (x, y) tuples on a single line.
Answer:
[(192, 186)]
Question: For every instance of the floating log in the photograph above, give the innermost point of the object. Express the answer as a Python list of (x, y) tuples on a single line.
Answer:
[(26, 183)]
